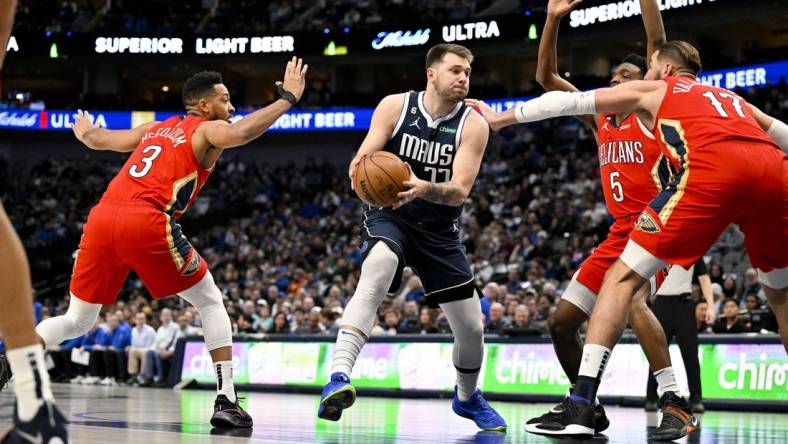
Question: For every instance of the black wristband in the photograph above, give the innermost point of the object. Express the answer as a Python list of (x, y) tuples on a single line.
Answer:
[(286, 95)]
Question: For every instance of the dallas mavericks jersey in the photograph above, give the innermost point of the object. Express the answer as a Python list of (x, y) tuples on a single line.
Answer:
[(429, 146)]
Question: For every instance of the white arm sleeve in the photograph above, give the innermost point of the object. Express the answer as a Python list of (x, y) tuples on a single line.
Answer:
[(779, 132), (556, 104)]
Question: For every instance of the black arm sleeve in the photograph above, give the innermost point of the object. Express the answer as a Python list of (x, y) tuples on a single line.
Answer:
[(700, 270)]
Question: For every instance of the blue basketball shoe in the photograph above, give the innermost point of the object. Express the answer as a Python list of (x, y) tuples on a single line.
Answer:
[(477, 409), (337, 395)]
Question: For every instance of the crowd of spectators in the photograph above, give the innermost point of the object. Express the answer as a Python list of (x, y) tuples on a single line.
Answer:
[(281, 242)]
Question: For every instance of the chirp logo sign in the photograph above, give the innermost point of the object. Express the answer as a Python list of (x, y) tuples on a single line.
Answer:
[(733, 371)]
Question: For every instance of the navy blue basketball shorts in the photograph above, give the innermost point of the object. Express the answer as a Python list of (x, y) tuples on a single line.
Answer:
[(434, 253)]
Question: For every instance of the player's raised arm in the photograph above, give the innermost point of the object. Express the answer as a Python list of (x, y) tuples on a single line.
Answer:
[(384, 119), (652, 21), (775, 128), (627, 97), (466, 167), (7, 8), (547, 61), (101, 139), (221, 134)]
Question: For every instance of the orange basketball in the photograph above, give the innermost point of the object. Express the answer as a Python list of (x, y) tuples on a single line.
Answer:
[(379, 178)]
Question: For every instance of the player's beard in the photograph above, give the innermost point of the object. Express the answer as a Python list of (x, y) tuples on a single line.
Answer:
[(450, 94)]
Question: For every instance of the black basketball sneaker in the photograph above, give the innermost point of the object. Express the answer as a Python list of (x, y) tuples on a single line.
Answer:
[(677, 418), (601, 422), (47, 427), (575, 420), (229, 414)]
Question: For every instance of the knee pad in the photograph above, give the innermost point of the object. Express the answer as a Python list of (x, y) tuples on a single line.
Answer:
[(377, 273), (207, 299), (78, 320)]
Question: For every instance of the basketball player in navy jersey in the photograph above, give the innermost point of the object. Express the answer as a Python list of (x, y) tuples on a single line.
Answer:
[(443, 142), (36, 419)]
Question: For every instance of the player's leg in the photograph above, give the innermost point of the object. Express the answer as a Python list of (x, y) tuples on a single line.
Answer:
[(465, 319), (676, 413), (449, 284), (35, 411), (378, 271), (217, 331), (573, 309)]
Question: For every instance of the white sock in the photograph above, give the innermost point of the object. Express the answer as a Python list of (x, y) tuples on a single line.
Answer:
[(224, 379), (466, 384), (348, 347), (594, 360), (666, 381), (31, 380)]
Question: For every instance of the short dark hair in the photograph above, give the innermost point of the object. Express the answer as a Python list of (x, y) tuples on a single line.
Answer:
[(637, 60), (199, 85), (437, 52), (730, 300), (682, 53)]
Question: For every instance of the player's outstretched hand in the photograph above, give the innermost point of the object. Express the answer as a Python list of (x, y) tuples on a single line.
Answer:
[(295, 77), (560, 8), (82, 124), (414, 188), (485, 110)]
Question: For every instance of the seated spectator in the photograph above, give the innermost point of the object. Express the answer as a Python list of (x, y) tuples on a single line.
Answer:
[(729, 321), (65, 369), (328, 322), (185, 329), (280, 325), (142, 338), (392, 321), (160, 353), (497, 323), (410, 322), (262, 319), (312, 325), (426, 322), (244, 324), (104, 366), (298, 321), (700, 317)]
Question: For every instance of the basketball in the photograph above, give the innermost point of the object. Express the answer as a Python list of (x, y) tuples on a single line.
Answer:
[(378, 178)]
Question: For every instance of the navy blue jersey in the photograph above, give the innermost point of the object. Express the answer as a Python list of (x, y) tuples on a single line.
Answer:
[(429, 146)]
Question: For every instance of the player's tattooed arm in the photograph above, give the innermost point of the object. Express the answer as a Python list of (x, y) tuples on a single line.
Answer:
[(445, 193)]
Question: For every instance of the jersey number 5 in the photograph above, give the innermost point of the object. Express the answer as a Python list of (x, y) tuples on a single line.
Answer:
[(138, 172), (618, 190)]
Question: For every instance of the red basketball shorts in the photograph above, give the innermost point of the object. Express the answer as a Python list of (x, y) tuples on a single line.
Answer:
[(121, 236), (744, 185)]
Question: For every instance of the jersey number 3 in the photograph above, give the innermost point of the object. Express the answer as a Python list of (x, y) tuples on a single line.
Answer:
[(136, 171)]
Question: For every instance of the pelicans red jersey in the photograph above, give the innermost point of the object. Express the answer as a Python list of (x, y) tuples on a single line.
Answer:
[(632, 170), (730, 172), (631, 165), (162, 171), (134, 225)]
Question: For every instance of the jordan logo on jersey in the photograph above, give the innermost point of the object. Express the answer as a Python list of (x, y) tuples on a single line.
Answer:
[(416, 123), (646, 223), (620, 152)]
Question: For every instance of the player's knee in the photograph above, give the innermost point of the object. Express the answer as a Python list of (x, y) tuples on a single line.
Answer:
[(382, 257), (82, 315)]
